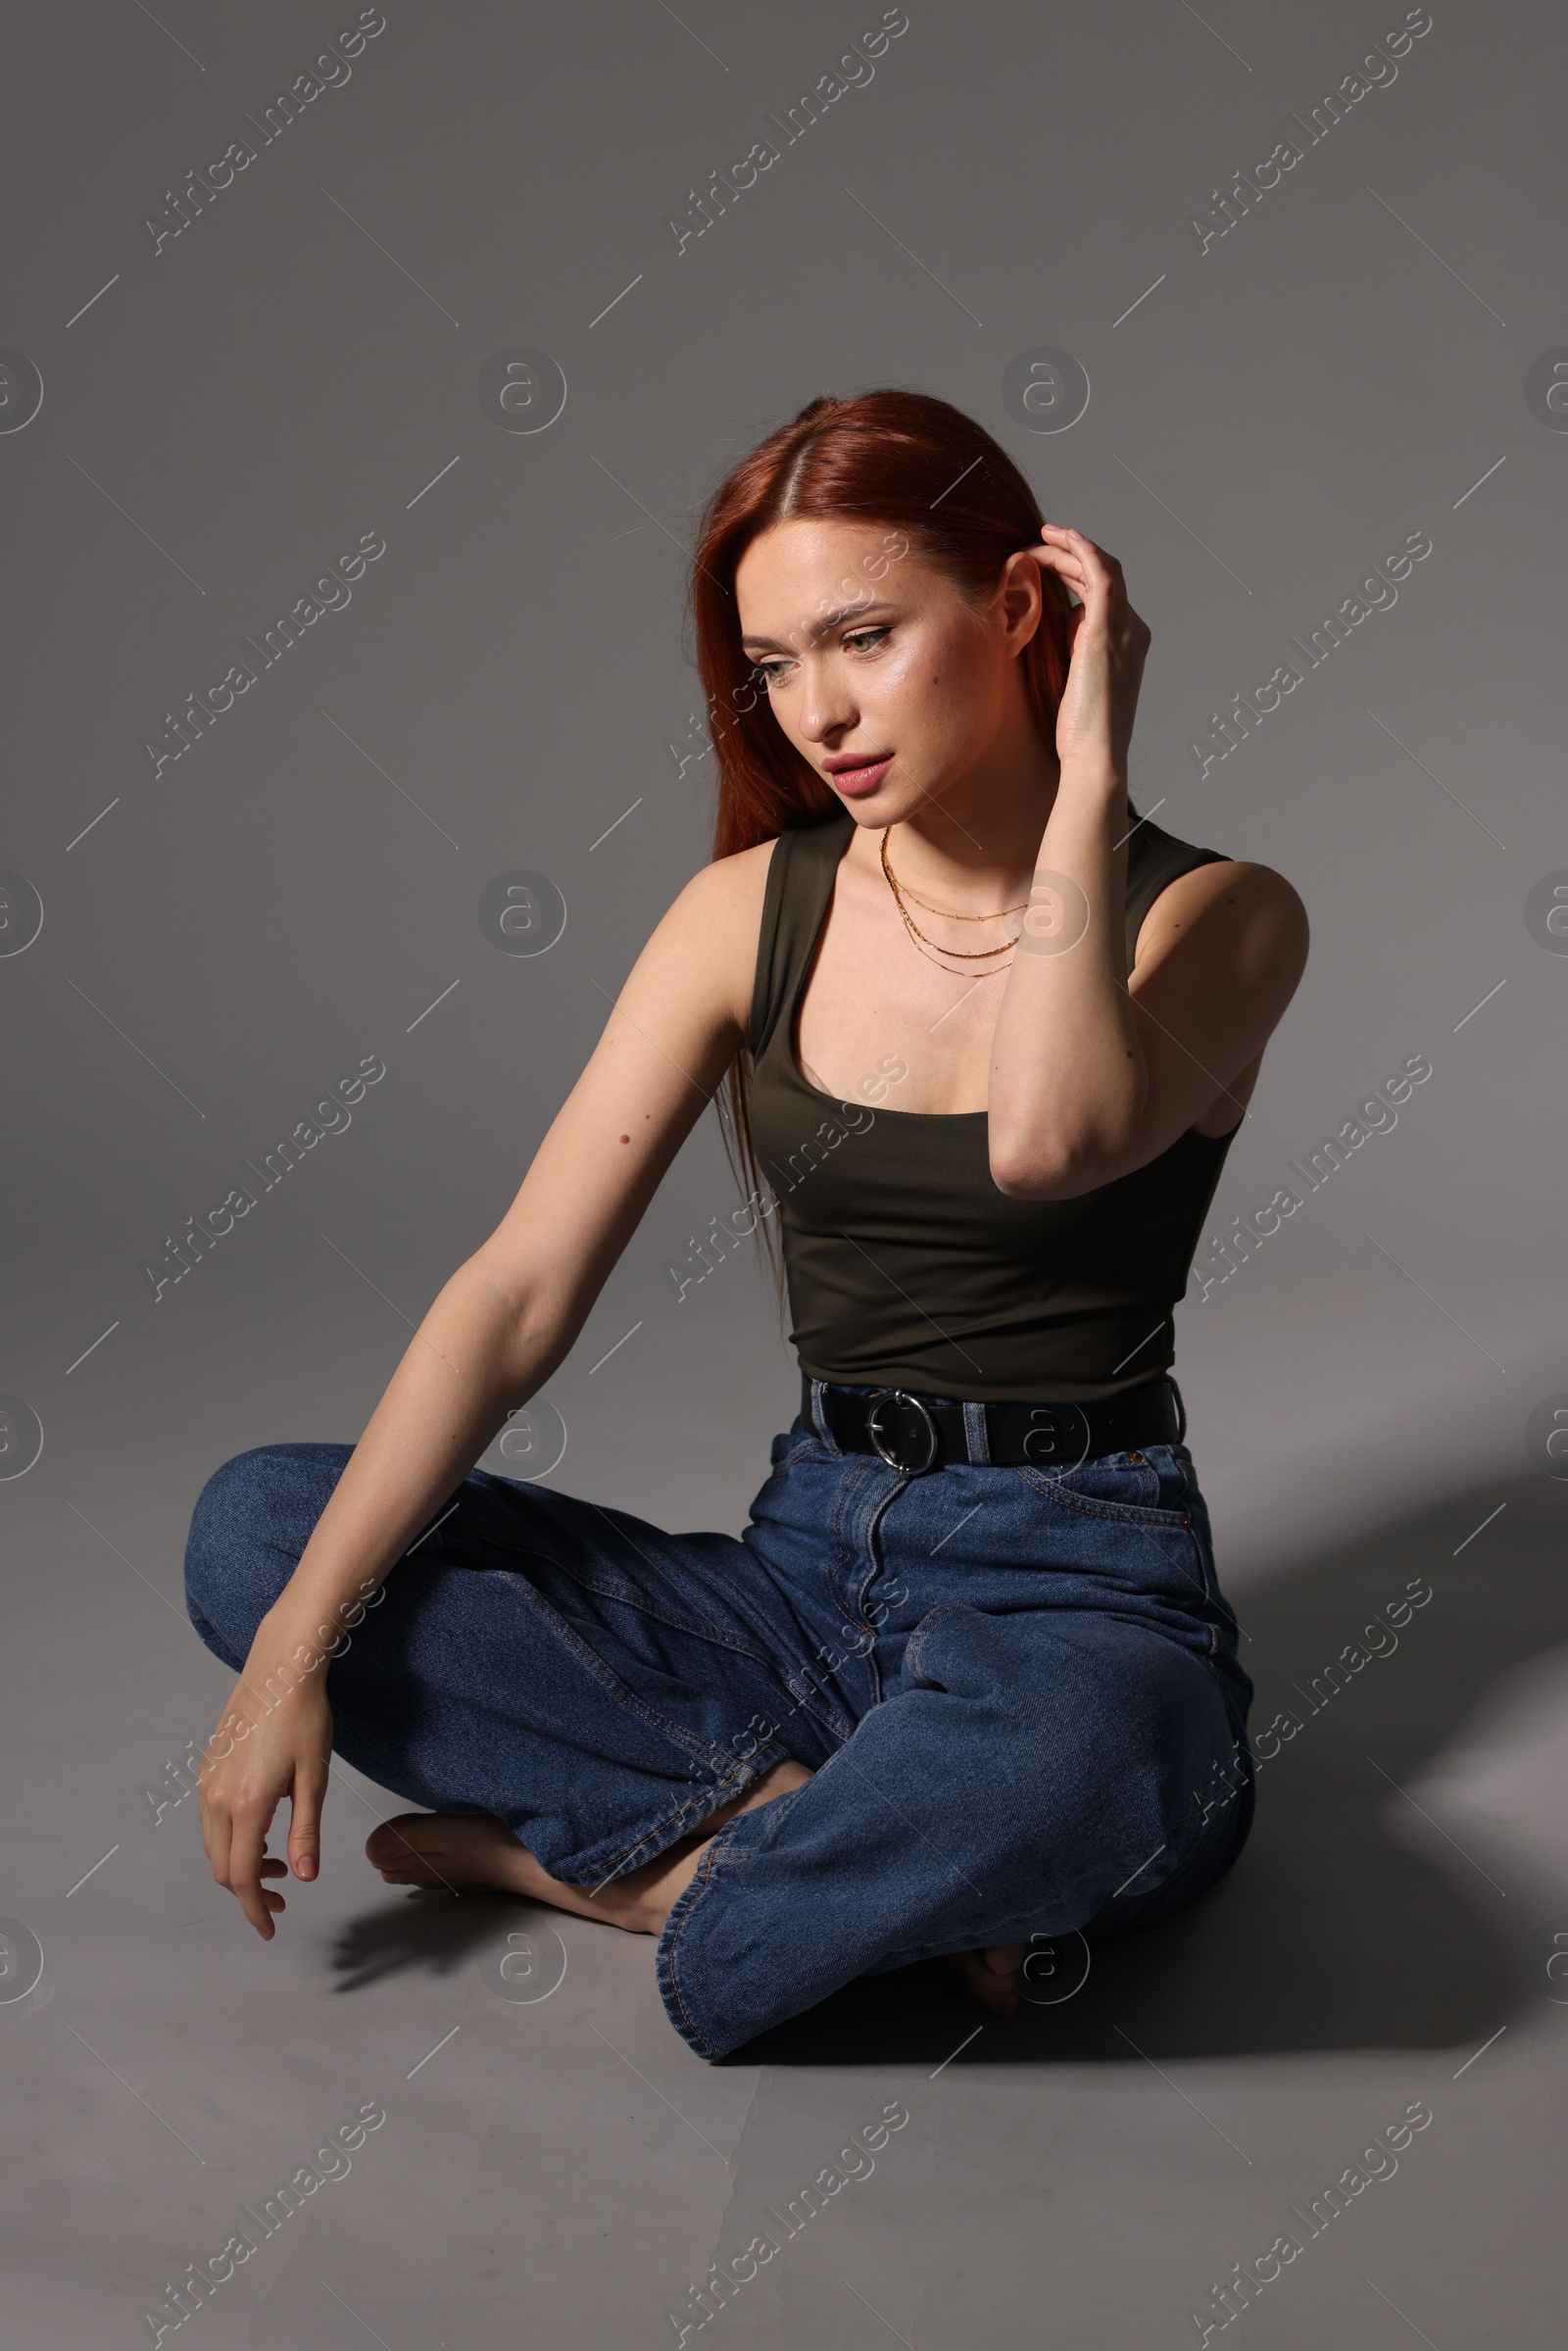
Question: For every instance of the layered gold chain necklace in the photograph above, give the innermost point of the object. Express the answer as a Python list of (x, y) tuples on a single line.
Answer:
[(957, 954)]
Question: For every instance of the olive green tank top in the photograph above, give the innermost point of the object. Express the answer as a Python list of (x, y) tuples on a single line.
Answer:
[(907, 1267)]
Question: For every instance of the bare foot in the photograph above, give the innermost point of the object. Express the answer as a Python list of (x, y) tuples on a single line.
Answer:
[(472, 1852), (453, 1852), (993, 1977)]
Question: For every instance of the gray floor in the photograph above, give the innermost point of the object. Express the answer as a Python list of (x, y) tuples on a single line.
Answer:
[(555, 2167), (1365, 353)]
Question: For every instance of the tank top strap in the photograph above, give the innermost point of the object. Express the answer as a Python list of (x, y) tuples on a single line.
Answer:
[(1155, 860), (800, 884)]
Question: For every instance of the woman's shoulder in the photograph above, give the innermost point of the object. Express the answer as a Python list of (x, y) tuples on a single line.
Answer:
[(738, 883), (746, 869), (1160, 861), (708, 938), (757, 909), (732, 886), (1221, 899)]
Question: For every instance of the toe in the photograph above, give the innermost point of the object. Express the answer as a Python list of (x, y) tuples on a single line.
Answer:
[(393, 1838), (992, 1992), (992, 1977)]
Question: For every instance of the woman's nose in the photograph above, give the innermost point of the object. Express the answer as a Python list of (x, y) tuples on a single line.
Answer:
[(826, 705)]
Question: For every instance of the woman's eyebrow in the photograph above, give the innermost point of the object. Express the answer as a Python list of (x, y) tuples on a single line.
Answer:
[(822, 627)]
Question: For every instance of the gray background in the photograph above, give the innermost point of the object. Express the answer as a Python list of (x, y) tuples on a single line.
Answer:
[(1346, 367)]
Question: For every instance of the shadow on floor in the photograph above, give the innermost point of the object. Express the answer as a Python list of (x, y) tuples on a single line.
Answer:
[(436, 1933), (1327, 1934)]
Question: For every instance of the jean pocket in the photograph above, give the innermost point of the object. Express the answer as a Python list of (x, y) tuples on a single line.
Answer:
[(1148, 1485)]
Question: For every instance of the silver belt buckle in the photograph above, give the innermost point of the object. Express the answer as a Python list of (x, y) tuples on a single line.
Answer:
[(925, 1430)]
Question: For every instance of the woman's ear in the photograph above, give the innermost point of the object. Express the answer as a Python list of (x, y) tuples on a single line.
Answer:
[(1022, 600)]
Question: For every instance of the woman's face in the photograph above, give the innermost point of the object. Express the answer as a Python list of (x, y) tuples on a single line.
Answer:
[(877, 669)]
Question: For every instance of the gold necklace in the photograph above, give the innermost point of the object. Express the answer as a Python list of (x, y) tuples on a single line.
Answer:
[(947, 912), (957, 954)]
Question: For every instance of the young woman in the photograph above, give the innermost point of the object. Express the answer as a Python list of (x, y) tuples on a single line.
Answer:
[(968, 1676)]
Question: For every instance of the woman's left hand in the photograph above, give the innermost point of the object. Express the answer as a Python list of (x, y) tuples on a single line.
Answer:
[(1109, 642)]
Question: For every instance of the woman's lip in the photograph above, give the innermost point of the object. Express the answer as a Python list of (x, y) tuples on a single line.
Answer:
[(855, 780)]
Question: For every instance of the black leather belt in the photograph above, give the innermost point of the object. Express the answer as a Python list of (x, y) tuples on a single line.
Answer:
[(916, 1433)]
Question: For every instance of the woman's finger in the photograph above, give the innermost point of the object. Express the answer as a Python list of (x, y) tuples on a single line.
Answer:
[(1088, 549), (1083, 583), (1064, 563), (1082, 560), (246, 1852), (219, 1828), (305, 1816)]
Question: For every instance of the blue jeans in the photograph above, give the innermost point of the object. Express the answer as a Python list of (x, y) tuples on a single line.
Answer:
[(1018, 1691)]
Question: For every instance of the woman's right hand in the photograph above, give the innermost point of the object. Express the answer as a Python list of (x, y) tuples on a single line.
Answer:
[(268, 1745)]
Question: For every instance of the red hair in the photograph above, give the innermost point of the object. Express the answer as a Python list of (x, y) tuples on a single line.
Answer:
[(926, 472)]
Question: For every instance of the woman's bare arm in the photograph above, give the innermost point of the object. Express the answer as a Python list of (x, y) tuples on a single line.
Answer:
[(1220, 956), (498, 1329), (1090, 1076)]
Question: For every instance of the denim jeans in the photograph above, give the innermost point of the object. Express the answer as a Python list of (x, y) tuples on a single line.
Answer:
[(1018, 1691)]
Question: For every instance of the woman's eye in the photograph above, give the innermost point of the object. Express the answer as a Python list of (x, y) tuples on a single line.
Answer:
[(867, 636)]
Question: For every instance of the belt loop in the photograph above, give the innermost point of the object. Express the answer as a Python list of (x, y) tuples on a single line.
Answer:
[(1181, 1433), (819, 1417), (977, 1435)]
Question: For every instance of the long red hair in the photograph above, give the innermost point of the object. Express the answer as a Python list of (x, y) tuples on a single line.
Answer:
[(922, 468)]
